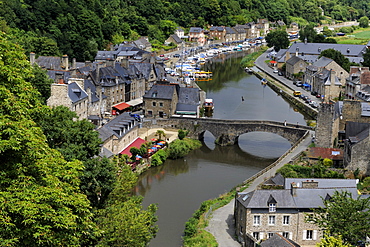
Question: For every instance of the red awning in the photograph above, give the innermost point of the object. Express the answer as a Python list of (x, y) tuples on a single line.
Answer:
[(121, 106), (137, 143), (273, 61)]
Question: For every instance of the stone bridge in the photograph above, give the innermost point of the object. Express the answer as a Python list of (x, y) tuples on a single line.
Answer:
[(227, 132)]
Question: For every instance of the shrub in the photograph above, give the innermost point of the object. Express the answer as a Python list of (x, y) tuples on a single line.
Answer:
[(328, 163)]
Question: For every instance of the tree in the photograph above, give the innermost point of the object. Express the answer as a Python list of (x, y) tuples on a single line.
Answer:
[(343, 215), (366, 56), (330, 241), (41, 82), (308, 34), (182, 133), (364, 21), (160, 133), (123, 221), (278, 40), (40, 203), (337, 56)]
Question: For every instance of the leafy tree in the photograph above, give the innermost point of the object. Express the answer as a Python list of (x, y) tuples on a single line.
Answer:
[(330, 241), (98, 180), (364, 21), (308, 33), (343, 215), (123, 221), (278, 40), (41, 82), (160, 133), (366, 57), (337, 56), (75, 139), (40, 203), (182, 133)]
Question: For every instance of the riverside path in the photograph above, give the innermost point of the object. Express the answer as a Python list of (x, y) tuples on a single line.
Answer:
[(221, 224)]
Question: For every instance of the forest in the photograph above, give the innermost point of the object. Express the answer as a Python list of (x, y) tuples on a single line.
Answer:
[(81, 28)]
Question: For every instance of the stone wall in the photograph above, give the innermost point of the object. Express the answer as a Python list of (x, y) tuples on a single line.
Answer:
[(359, 157), (59, 96), (325, 132)]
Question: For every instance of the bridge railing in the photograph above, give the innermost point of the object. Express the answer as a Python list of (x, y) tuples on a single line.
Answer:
[(263, 171)]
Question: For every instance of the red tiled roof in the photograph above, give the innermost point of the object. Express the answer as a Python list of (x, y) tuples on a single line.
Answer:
[(137, 143), (121, 106), (328, 153)]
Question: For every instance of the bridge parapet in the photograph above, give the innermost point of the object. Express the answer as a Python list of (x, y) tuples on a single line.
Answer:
[(227, 132)]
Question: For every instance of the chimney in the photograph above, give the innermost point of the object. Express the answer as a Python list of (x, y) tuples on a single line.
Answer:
[(305, 40), (65, 62), (293, 189), (32, 58), (74, 63), (310, 184), (296, 51)]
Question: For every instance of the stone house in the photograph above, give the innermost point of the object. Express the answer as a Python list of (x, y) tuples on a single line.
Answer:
[(217, 33), (263, 26), (358, 84), (326, 78), (118, 133), (260, 214), (175, 40), (310, 52), (160, 101), (294, 66), (252, 30), (241, 33), (230, 34), (357, 146), (197, 34), (180, 32), (278, 240), (189, 101)]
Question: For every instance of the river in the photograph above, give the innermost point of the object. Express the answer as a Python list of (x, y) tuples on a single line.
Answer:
[(180, 186)]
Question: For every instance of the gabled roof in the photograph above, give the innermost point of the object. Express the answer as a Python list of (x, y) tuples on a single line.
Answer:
[(189, 96), (75, 92), (323, 62), (123, 120), (357, 132), (347, 50), (195, 30), (229, 30), (293, 60), (48, 62), (176, 38), (278, 240), (160, 92)]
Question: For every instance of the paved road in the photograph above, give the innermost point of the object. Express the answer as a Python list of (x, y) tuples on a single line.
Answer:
[(221, 224)]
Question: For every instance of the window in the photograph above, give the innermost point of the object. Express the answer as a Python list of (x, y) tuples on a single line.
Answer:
[(286, 235), (150, 113), (256, 235), (154, 103), (271, 220), (309, 234), (286, 220), (161, 104), (272, 207), (270, 234), (256, 220)]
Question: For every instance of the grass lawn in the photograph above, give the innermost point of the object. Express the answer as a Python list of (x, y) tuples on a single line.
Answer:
[(358, 37)]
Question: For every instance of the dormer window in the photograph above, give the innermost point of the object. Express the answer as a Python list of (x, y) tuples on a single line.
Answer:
[(272, 207)]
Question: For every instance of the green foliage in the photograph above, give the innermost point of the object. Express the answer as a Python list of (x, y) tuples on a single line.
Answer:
[(328, 162), (278, 40), (123, 221), (346, 30), (331, 241), (364, 22), (182, 134), (179, 148), (160, 134), (366, 57), (41, 82), (315, 171), (337, 56), (159, 157), (338, 211), (41, 203)]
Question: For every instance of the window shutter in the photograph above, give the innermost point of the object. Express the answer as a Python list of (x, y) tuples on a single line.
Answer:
[(261, 235), (314, 234), (304, 234), (290, 235)]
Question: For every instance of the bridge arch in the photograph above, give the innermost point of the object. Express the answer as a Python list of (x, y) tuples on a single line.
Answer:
[(227, 132)]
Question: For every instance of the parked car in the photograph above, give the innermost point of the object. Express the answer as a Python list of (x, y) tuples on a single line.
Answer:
[(318, 95), (276, 71), (314, 104), (176, 55), (299, 84), (162, 55), (280, 73), (297, 93), (296, 82)]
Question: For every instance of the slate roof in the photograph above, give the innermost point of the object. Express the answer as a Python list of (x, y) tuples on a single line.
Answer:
[(217, 28), (357, 132), (347, 50), (120, 121), (278, 240), (278, 179), (304, 198), (160, 92), (293, 60), (91, 85), (189, 96), (229, 30), (195, 30), (48, 62), (176, 38), (54, 73), (322, 182), (322, 62), (75, 92)]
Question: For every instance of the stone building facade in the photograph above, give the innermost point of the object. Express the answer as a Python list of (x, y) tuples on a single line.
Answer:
[(295, 65), (160, 101), (260, 214), (358, 84)]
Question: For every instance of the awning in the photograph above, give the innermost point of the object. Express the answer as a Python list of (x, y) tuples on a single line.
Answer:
[(135, 102), (121, 106), (136, 143), (306, 85), (273, 61)]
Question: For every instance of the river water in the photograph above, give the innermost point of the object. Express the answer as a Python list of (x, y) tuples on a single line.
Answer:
[(180, 186)]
